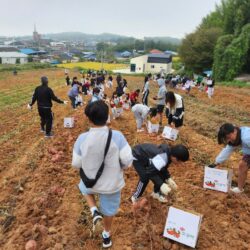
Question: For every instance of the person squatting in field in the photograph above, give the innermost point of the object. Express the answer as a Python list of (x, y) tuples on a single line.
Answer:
[(44, 96), (174, 109), (151, 162), (109, 149), (234, 137), (141, 112)]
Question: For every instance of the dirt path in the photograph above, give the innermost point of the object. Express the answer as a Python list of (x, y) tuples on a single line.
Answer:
[(39, 198)]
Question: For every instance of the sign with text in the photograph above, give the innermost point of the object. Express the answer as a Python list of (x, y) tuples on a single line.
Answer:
[(217, 179), (170, 133), (152, 128), (182, 226), (69, 122)]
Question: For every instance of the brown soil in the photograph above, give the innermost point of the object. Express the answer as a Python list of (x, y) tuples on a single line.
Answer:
[(39, 196)]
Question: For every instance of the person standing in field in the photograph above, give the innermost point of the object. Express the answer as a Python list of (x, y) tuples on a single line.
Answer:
[(44, 96), (102, 155), (210, 87), (145, 91)]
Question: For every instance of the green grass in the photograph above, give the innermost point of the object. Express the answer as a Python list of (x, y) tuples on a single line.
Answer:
[(235, 83), (27, 66)]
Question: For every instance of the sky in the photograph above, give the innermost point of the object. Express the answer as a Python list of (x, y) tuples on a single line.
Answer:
[(137, 18)]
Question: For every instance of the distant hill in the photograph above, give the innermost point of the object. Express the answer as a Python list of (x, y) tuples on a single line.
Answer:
[(167, 39), (104, 37), (78, 36)]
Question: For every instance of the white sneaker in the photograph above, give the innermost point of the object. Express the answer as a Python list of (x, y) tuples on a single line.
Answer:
[(140, 130), (161, 198), (133, 199), (236, 190)]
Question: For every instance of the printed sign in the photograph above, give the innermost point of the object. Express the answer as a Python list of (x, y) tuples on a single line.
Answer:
[(69, 122), (152, 128), (126, 106), (119, 111), (218, 179), (182, 226), (170, 133)]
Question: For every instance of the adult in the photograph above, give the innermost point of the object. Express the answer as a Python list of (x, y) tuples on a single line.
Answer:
[(44, 96), (234, 137), (140, 113), (174, 109), (118, 78)]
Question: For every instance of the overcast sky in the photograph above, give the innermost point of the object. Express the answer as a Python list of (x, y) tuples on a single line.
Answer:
[(136, 18)]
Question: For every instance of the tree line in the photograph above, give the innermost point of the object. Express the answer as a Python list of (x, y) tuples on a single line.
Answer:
[(221, 42)]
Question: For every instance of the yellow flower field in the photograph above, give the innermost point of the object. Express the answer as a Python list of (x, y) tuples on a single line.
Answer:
[(93, 65)]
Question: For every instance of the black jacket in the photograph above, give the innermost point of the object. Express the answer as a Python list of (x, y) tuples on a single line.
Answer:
[(44, 96), (146, 152)]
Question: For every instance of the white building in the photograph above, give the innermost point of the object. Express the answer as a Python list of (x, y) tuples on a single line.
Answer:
[(151, 63), (13, 58)]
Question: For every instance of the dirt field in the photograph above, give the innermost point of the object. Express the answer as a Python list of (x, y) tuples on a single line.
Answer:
[(39, 198)]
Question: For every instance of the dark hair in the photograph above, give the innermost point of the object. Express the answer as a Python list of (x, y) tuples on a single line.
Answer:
[(113, 95), (74, 78), (138, 91), (180, 152), (153, 112), (225, 129), (96, 90), (44, 80), (170, 98), (97, 112)]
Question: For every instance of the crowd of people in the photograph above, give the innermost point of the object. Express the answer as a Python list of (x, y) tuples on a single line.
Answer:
[(102, 154)]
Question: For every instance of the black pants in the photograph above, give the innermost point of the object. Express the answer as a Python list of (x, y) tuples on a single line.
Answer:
[(46, 116), (145, 98), (140, 168), (177, 122), (73, 101)]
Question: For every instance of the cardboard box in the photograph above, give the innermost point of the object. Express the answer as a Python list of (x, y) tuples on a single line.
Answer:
[(218, 179), (170, 133), (152, 128), (119, 111), (69, 122), (126, 106), (182, 226)]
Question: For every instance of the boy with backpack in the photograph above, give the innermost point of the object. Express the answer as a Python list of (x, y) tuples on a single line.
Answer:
[(151, 162), (101, 155)]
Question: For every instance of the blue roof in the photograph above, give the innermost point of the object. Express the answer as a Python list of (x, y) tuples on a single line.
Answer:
[(28, 51)]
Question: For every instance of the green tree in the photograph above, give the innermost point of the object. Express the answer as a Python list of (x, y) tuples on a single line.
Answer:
[(196, 50)]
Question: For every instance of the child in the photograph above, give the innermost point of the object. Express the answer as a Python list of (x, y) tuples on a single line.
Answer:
[(110, 82), (86, 86), (210, 87), (141, 113), (145, 91), (114, 101), (174, 109), (187, 86), (151, 162), (160, 98), (96, 95), (88, 155), (134, 97), (78, 100)]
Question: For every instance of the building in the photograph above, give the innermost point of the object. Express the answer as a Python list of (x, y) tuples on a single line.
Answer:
[(151, 63), (13, 58), (36, 35)]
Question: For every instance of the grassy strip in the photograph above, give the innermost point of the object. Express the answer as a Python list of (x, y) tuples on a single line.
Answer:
[(235, 83), (27, 66)]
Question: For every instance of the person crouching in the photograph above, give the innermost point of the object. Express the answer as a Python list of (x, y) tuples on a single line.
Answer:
[(151, 162)]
